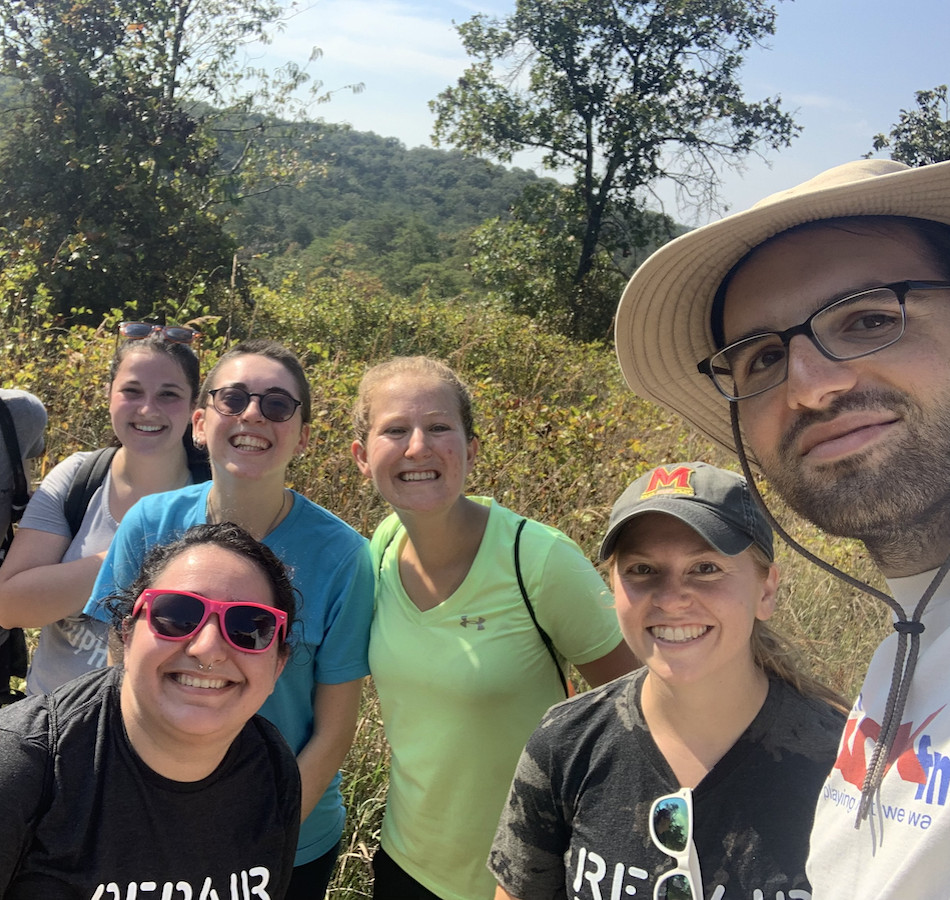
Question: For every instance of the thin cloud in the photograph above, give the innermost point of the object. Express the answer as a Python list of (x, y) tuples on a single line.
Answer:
[(372, 37), (815, 101)]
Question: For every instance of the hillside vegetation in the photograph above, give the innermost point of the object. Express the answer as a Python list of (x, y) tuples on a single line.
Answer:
[(360, 176), (560, 434), (452, 223), (404, 216)]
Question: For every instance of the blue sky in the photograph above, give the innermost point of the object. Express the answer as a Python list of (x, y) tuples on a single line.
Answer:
[(844, 67)]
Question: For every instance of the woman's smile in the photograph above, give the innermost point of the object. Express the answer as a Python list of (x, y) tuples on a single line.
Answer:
[(678, 634)]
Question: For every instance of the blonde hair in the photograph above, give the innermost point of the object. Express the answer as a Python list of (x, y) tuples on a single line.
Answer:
[(777, 656), (423, 366)]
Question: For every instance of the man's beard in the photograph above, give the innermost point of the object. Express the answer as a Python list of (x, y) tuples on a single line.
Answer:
[(881, 492)]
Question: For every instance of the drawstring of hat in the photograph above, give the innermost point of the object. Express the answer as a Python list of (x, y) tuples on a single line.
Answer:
[(905, 660), (905, 663)]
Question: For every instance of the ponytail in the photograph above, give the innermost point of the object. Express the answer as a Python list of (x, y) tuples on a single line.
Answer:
[(778, 657)]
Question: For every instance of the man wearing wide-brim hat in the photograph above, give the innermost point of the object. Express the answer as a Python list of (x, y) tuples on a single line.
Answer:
[(811, 334)]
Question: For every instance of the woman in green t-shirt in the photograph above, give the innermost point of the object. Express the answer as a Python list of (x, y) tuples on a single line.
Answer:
[(462, 670)]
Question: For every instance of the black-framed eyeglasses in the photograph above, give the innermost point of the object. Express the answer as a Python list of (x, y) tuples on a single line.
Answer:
[(849, 328), (274, 405), (671, 827), (176, 334)]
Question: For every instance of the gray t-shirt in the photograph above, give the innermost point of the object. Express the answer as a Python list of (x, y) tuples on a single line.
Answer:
[(78, 643), (576, 821)]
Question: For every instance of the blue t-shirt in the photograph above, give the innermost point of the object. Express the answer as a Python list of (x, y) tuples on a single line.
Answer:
[(330, 566)]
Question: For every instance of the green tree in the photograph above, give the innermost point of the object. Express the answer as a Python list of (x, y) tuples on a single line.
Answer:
[(921, 136), (621, 93), (111, 174), (528, 258)]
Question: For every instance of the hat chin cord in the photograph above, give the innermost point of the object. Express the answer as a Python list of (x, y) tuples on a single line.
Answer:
[(905, 660)]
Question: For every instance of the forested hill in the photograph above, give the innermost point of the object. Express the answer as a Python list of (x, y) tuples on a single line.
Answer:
[(372, 179), (406, 217)]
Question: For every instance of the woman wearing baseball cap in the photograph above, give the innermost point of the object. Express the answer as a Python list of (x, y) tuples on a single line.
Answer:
[(697, 775)]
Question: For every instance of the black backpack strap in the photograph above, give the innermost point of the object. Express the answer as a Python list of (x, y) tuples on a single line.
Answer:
[(545, 637), (21, 491), (90, 474), (13, 653)]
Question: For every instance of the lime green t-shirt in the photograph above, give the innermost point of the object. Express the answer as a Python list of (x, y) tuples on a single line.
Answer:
[(462, 686)]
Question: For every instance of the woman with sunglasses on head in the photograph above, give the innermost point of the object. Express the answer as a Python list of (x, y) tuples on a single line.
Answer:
[(155, 777), (49, 572), (462, 671), (253, 415), (696, 776)]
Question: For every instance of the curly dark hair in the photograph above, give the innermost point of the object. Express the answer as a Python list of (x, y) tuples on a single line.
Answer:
[(226, 535)]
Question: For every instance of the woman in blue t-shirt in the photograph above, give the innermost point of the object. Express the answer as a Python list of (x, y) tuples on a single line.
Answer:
[(253, 416)]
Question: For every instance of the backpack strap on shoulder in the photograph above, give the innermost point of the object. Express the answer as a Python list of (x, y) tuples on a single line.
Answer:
[(13, 653), (90, 474), (545, 637), (382, 555), (21, 491)]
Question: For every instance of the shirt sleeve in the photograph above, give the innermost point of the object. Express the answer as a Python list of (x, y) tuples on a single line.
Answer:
[(122, 563), (572, 602), (527, 854), (344, 649), (46, 510)]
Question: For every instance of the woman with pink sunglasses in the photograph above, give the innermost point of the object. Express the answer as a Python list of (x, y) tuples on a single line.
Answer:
[(155, 777)]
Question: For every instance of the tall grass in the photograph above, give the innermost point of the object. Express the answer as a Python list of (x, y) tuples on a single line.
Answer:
[(560, 436)]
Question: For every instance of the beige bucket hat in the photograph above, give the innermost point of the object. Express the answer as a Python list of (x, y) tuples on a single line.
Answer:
[(663, 322)]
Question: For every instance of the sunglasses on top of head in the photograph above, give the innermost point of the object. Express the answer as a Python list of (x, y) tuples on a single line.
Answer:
[(176, 334), (180, 615)]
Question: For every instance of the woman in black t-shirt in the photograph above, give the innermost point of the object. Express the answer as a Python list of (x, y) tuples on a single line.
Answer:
[(155, 777), (696, 776)]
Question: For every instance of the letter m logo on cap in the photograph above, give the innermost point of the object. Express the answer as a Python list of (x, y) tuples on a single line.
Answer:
[(670, 481)]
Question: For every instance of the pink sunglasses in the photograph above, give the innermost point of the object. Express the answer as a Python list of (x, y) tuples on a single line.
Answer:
[(179, 615)]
